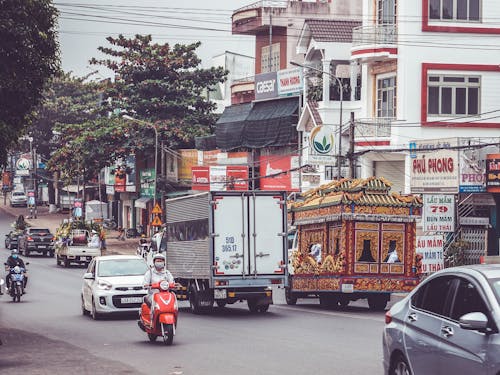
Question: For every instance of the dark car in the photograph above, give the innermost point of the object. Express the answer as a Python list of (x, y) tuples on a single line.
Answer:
[(11, 240), (36, 239), (449, 324)]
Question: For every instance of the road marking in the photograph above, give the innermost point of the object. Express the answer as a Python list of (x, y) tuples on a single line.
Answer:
[(330, 313)]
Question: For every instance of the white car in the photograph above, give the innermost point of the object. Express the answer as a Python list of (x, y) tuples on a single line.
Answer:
[(113, 284), (18, 198)]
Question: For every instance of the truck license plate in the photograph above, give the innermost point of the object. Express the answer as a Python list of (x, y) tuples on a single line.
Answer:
[(220, 294), (131, 299), (42, 246)]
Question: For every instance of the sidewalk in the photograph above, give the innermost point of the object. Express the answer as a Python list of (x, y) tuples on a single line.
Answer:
[(53, 220)]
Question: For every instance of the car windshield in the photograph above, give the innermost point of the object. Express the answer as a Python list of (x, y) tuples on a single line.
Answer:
[(18, 193), (495, 284), (39, 231), (122, 267)]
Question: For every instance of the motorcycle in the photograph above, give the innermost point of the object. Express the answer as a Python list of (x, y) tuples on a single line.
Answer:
[(143, 249), (163, 321), (16, 289)]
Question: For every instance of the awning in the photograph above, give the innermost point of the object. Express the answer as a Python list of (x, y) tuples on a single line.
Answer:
[(257, 125), (142, 202)]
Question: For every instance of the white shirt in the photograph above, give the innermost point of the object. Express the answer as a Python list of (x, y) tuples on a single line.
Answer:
[(94, 241), (153, 276), (393, 257)]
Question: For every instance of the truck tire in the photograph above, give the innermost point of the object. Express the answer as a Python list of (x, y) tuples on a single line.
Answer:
[(221, 303), (194, 303), (255, 308), (329, 302), (289, 297), (27, 252), (377, 302), (66, 262)]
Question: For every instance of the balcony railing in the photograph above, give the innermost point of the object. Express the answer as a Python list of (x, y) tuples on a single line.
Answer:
[(373, 128), (374, 35), (264, 4)]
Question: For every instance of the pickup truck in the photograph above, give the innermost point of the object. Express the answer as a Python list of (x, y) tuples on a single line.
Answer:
[(75, 248), (36, 239)]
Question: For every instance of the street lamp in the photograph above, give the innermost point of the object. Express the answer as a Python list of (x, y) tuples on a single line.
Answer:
[(129, 118), (341, 101)]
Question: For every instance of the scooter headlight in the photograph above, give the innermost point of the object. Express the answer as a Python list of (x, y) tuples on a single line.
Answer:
[(104, 285), (164, 285)]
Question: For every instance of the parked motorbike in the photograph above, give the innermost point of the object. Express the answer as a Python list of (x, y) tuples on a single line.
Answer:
[(17, 275), (163, 321)]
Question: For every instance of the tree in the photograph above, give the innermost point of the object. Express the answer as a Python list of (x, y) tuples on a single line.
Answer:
[(29, 53), (164, 85)]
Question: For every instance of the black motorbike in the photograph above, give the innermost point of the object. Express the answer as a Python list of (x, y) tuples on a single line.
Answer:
[(17, 276)]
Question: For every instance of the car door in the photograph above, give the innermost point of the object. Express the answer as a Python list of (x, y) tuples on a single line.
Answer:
[(88, 284), (464, 351), (423, 321)]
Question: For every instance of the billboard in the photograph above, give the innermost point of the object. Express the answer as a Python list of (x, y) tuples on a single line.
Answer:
[(279, 172), (435, 167), (121, 176), (147, 178), (438, 213), (290, 82), (266, 86), (189, 158), (220, 178)]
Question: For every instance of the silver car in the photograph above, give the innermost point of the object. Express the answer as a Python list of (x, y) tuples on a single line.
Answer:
[(113, 284), (449, 324), (18, 198)]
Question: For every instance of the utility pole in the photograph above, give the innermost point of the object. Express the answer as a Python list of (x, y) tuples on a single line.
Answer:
[(270, 39), (352, 164)]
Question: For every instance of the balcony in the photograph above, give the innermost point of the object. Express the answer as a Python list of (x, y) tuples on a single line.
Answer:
[(378, 42), (373, 129)]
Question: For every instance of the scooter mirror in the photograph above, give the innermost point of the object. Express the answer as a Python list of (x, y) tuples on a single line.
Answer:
[(27, 263)]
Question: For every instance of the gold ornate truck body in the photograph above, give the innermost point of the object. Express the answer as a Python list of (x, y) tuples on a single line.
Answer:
[(354, 240)]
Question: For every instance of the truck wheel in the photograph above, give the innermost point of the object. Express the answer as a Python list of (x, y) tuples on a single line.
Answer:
[(194, 303), (344, 302), (255, 308), (66, 262), (27, 253), (329, 302), (289, 297), (44, 253), (262, 308), (377, 302), (84, 310)]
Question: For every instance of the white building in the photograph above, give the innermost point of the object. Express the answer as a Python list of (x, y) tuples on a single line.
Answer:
[(430, 70)]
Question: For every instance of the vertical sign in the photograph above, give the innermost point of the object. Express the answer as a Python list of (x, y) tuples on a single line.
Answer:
[(431, 249), (438, 213), (493, 173)]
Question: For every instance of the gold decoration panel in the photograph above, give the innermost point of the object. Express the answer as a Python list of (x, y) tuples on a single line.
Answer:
[(394, 227), (367, 246), (368, 283), (393, 240), (361, 268), (367, 226), (397, 268)]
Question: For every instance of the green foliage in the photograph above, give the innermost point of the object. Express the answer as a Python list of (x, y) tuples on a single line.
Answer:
[(164, 85), (29, 52)]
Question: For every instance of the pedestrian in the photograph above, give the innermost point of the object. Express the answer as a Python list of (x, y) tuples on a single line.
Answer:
[(102, 237), (121, 234)]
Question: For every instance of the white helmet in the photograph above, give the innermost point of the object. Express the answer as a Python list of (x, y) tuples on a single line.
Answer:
[(159, 256)]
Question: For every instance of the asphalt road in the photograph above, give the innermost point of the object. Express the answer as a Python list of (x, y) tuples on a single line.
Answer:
[(46, 334)]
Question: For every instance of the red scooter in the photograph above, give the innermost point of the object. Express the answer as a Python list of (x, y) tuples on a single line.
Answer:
[(165, 311)]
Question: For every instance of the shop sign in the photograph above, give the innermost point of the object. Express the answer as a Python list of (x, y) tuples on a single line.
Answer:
[(435, 169), (290, 82), (322, 145), (438, 213), (431, 249), (200, 178), (472, 169), (147, 179), (493, 173), (279, 172), (23, 167), (483, 199), (266, 86), (474, 220), (122, 175)]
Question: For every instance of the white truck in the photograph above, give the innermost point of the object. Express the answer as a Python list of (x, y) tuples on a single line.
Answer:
[(226, 247), (75, 248)]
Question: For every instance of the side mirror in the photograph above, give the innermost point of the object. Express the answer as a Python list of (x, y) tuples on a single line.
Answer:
[(88, 276), (476, 321), (27, 263)]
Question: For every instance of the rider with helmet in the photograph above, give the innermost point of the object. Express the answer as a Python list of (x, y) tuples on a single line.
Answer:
[(12, 261), (154, 275)]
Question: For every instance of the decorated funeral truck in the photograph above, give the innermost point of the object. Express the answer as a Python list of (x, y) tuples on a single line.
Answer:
[(353, 239), (225, 247)]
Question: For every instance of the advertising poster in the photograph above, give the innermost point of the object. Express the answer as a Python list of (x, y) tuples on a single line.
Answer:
[(189, 159), (438, 213), (431, 249), (278, 173), (220, 178)]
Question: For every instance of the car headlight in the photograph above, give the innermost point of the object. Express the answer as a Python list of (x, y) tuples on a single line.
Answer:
[(104, 285)]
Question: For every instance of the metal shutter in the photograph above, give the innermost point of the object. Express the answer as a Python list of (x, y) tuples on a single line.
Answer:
[(394, 171)]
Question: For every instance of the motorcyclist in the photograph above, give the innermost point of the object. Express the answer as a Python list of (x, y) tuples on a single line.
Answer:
[(154, 275), (143, 239), (12, 261)]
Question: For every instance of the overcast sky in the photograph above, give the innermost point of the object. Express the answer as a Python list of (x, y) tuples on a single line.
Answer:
[(84, 25)]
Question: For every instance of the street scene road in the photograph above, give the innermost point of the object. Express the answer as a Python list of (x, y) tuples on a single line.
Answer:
[(46, 333)]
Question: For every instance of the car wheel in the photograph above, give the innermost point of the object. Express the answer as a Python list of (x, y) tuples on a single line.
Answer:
[(399, 366), (377, 303), (84, 310), (93, 313)]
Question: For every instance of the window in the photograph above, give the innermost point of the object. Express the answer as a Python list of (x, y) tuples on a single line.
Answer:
[(454, 10), (467, 300), (386, 97), (453, 95), (275, 58), (432, 296), (386, 10)]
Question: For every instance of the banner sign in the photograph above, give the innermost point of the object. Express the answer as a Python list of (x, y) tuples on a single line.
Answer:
[(438, 213), (431, 249), (321, 145), (435, 167), (493, 173), (147, 178), (122, 175), (472, 168), (290, 82), (279, 172), (219, 178)]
